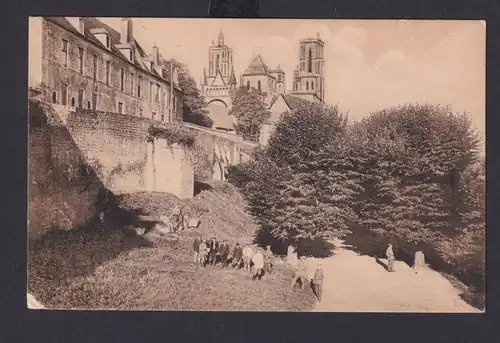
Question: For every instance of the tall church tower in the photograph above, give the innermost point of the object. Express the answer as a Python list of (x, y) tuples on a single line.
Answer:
[(309, 80), (219, 83)]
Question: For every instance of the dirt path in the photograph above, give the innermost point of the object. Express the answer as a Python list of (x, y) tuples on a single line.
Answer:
[(356, 283)]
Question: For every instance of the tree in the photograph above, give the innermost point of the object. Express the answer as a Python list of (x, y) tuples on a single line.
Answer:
[(250, 111), (299, 187), (194, 103)]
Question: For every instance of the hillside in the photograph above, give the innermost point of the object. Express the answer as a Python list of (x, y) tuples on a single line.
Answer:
[(114, 268)]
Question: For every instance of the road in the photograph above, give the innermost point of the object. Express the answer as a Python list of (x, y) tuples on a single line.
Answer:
[(357, 283)]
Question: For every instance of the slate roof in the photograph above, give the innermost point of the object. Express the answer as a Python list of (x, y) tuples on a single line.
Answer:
[(257, 66), (94, 24)]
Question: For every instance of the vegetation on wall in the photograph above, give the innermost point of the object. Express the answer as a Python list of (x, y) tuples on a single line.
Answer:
[(173, 133)]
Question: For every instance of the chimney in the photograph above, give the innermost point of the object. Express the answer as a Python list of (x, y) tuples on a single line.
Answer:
[(155, 56), (126, 31), (256, 51)]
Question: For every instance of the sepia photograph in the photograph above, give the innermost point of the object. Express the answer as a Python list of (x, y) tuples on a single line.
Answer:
[(269, 165)]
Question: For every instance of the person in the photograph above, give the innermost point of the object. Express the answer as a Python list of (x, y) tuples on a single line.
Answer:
[(268, 259), (317, 281), (300, 273), (196, 249), (258, 265), (203, 250), (212, 254), (237, 256), (224, 253), (247, 257), (390, 258)]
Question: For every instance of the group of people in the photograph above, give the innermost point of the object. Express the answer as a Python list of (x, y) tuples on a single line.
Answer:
[(253, 259), (305, 275)]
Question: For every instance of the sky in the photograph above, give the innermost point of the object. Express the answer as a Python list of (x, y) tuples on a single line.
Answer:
[(369, 64)]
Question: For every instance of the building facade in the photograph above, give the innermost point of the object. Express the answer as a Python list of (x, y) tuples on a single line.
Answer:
[(83, 63), (308, 78), (218, 86)]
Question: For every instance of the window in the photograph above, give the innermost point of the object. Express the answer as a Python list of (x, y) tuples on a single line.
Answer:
[(174, 103), (80, 60), (88, 105), (139, 82), (73, 102), (162, 117), (132, 83), (157, 95), (217, 63), (131, 55), (122, 79), (312, 85), (94, 101), (120, 107), (108, 43), (64, 53), (108, 71), (309, 62), (140, 112), (258, 85), (307, 85), (151, 92), (248, 84), (64, 94), (54, 97), (153, 116), (94, 67), (151, 66), (80, 99)]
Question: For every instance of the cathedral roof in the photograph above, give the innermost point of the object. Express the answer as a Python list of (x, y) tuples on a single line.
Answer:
[(257, 66), (218, 80)]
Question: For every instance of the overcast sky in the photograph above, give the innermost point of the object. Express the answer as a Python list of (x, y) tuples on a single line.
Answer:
[(369, 64)]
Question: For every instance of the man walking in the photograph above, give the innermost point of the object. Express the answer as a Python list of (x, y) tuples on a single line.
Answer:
[(224, 252), (300, 274), (237, 256), (317, 281), (390, 258), (196, 249), (212, 254), (258, 264)]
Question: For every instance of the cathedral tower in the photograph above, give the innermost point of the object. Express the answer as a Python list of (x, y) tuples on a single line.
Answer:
[(309, 81), (219, 83)]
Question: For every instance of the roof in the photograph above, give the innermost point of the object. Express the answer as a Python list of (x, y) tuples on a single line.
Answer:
[(257, 66), (291, 101), (94, 24)]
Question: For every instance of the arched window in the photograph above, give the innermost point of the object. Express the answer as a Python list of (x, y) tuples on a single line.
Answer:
[(88, 105), (307, 85), (54, 97), (312, 85), (258, 85), (309, 66), (217, 64), (72, 102)]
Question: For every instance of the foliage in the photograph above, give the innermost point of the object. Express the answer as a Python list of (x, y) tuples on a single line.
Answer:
[(173, 133), (250, 111), (296, 187), (194, 102)]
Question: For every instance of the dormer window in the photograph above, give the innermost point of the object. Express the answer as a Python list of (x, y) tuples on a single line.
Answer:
[(108, 42)]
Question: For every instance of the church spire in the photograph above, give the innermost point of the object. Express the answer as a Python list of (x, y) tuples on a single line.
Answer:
[(232, 77), (221, 38)]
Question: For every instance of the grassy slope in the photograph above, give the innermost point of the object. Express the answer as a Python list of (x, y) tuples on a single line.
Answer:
[(118, 270)]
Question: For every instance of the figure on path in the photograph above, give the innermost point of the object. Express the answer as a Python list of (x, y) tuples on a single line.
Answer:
[(203, 250), (224, 253), (292, 258), (317, 281), (419, 261), (212, 254), (268, 260), (258, 264), (300, 273), (237, 256), (390, 258), (247, 257), (196, 249)]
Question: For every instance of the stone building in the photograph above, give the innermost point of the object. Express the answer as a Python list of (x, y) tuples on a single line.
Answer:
[(308, 76), (218, 86), (258, 75), (83, 63)]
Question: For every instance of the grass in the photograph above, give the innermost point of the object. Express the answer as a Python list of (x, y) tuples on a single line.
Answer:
[(116, 269)]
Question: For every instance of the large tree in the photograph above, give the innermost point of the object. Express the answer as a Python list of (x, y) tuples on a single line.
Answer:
[(194, 103), (250, 111)]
